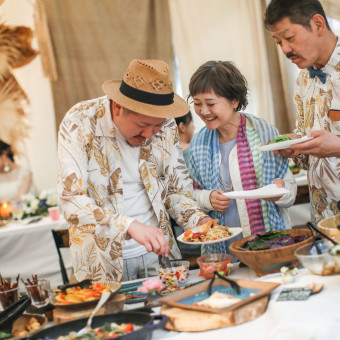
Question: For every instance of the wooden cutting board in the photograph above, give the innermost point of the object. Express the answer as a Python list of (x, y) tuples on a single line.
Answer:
[(114, 305), (184, 320)]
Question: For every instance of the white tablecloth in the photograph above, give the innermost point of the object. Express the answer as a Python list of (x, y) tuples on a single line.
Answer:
[(317, 318), (28, 249)]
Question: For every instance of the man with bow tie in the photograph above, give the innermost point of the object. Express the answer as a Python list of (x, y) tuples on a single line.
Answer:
[(302, 31)]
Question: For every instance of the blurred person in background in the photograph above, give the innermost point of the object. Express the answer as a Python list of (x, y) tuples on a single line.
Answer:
[(15, 180), (186, 128), (224, 155)]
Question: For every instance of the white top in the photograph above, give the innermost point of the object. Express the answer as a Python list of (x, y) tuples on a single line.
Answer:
[(313, 101), (10, 183), (136, 200)]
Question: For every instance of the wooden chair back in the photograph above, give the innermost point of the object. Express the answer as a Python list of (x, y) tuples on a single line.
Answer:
[(61, 240)]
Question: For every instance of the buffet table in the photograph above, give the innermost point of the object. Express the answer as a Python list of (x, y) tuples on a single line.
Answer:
[(29, 248), (317, 318)]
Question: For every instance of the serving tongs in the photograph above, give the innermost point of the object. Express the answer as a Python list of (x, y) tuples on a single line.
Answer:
[(312, 226), (164, 261), (316, 238), (13, 312), (234, 285), (82, 284)]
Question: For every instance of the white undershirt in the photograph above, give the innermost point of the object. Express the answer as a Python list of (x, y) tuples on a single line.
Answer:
[(136, 200)]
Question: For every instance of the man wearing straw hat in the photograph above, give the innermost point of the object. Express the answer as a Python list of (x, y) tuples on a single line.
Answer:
[(122, 173)]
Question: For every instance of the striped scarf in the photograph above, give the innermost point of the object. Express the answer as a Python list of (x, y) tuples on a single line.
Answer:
[(248, 178), (204, 168)]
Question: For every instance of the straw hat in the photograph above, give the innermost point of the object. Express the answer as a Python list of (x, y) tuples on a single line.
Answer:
[(147, 89)]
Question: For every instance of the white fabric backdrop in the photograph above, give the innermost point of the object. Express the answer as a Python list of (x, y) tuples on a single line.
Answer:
[(203, 30), (41, 146), (223, 30)]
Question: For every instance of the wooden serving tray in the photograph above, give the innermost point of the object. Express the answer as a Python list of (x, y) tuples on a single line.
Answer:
[(186, 317)]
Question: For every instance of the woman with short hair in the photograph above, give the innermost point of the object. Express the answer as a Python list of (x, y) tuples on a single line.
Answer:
[(224, 155)]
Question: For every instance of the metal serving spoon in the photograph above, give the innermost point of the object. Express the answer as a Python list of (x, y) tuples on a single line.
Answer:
[(100, 303)]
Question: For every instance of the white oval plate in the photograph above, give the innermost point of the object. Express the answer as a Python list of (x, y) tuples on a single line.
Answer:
[(285, 144), (235, 231), (271, 190)]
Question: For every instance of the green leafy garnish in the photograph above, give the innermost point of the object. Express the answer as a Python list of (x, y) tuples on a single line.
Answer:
[(271, 240), (278, 139)]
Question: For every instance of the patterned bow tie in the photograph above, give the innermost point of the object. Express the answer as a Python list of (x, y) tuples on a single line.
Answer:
[(319, 73)]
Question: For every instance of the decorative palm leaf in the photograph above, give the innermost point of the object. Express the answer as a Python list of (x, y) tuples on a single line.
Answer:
[(15, 47), (15, 51), (14, 125)]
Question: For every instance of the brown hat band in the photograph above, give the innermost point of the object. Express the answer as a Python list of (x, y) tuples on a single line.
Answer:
[(146, 97)]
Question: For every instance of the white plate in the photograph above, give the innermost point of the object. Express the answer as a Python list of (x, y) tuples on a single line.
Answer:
[(235, 231), (284, 145), (271, 190)]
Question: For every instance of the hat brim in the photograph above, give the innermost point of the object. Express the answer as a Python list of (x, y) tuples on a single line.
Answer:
[(177, 109)]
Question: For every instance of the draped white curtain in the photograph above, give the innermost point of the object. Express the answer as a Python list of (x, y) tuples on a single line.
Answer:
[(223, 30), (332, 8)]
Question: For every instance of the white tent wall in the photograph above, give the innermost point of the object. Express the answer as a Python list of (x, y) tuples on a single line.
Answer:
[(202, 30), (40, 148), (223, 30)]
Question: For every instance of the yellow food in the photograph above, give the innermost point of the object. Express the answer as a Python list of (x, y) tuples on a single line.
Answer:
[(78, 294)]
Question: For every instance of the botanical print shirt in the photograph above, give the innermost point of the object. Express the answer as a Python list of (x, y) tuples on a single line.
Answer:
[(313, 101), (91, 190)]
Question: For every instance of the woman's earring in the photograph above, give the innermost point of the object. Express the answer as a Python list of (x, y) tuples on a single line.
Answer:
[(7, 167)]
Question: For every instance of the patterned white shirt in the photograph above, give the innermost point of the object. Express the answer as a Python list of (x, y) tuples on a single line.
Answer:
[(90, 188), (313, 100)]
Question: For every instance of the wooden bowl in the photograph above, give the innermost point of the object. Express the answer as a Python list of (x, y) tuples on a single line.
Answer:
[(257, 259), (329, 226)]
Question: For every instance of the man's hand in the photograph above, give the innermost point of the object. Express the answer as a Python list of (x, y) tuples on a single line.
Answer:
[(324, 144), (203, 221), (219, 201), (289, 153), (151, 238), (281, 184)]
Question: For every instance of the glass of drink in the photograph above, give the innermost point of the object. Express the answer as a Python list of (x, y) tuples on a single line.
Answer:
[(8, 297), (39, 292), (54, 212)]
